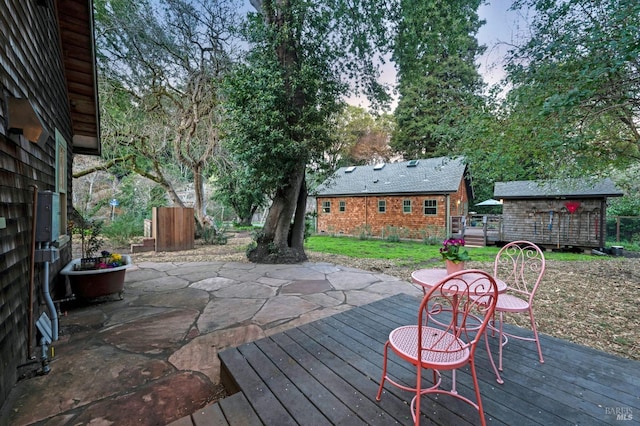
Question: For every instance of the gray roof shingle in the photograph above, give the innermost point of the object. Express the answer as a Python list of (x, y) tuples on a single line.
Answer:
[(556, 188), (440, 175)]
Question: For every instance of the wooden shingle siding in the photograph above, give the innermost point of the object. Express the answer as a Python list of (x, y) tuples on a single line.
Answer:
[(31, 67), (362, 211), (362, 188), (531, 220), (556, 213)]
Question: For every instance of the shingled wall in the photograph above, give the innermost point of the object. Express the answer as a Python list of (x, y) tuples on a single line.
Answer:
[(31, 68)]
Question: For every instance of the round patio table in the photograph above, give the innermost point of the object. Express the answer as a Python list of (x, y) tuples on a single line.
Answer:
[(427, 278)]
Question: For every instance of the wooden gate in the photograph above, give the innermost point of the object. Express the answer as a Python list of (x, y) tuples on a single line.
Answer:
[(173, 228)]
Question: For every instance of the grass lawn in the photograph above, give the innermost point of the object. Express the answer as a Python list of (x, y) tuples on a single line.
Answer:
[(409, 251)]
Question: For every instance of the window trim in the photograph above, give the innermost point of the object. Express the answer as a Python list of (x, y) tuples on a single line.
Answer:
[(382, 206), (434, 206), (61, 182), (326, 207), (407, 203), (342, 206)]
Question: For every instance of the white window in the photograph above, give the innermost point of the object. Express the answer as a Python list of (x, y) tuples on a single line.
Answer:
[(326, 207), (382, 206)]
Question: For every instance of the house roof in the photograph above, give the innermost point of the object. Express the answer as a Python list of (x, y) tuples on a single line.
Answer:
[(576, 188), (440, 175), (75, 18)]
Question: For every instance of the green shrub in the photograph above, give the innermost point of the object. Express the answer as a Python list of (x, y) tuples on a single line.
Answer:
[(123, 228), (363, 232), (213, 235)]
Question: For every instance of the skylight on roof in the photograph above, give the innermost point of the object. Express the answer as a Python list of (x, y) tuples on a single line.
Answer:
[(413, 163), (378, 166), (350, 169)]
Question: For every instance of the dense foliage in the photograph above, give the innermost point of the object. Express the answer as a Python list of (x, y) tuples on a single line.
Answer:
[(439, 85), (303, 57), (574, 106)]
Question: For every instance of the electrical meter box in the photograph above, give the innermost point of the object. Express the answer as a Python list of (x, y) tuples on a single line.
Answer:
[(48, 219)]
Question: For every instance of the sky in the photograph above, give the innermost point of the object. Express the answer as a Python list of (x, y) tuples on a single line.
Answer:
[(501, 28)]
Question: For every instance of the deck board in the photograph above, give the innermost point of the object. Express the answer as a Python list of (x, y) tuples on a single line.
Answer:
[(328, 372)]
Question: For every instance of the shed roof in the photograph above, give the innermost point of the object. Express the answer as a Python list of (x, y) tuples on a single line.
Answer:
[(574, 188), (440, 175)]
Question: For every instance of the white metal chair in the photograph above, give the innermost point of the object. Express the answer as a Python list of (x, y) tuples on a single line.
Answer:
[(452, 317), (521, 265)]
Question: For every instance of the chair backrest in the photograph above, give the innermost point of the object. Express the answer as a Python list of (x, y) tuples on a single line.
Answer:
[(461, 304), (521, 265)]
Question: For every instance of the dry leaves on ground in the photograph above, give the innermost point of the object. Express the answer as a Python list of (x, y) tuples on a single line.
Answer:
[(593, 303)]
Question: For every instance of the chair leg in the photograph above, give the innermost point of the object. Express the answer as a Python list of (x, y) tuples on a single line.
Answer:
[(384, 371), (416, 413), (493, 364), (500, 342), (472, 366), (535, 335)]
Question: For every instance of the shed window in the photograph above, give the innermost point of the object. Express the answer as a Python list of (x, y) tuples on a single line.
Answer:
[(382, 206), (342, 206), (430, 207), (406, 206), (326, 207)]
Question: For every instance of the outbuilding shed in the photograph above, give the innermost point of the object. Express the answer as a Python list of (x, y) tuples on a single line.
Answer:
[(555, 214), (417, 197)]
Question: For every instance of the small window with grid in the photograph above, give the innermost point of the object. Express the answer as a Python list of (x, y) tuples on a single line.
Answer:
[(406, 206), (342, 206), (382, 206), (430, 207), (326, 207)]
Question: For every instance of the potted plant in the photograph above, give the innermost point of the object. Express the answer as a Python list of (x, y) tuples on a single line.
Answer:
[(95, 276), (453, 254)]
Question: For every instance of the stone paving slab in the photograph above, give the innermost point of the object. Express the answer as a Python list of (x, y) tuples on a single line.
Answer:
[(152, 357)]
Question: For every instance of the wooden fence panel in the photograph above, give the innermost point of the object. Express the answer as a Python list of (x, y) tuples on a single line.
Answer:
[(173, 228)]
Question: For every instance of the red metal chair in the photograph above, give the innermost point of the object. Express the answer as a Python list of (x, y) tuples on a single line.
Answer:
[(521, 265), (452, 318)]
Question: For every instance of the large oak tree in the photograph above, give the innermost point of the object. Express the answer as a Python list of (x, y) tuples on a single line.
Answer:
[(304, 57)]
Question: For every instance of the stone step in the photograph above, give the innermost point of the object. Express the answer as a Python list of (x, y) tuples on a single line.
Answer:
[(148, 244)]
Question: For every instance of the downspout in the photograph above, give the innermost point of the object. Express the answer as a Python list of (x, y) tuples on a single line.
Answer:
[(366, 211), (32, 266), (447, 214)]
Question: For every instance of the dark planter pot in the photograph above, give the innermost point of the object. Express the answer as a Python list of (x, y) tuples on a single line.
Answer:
[(89, 284)]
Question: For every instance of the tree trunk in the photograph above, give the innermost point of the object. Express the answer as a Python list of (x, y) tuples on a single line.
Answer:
[(282, 241), (198, 187), (247, 218)]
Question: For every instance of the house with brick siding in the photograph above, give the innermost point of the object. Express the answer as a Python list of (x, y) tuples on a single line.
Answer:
[(417, 198), (48, 112)]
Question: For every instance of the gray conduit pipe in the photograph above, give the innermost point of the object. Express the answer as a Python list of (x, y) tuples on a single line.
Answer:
[(47, 297)]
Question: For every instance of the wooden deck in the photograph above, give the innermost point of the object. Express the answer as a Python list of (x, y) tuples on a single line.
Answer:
[(328, 371)]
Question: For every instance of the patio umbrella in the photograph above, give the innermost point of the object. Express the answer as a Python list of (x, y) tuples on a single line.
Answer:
[(489, 202)]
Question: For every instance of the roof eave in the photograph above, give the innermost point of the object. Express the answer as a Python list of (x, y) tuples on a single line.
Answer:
[(77, 39)]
